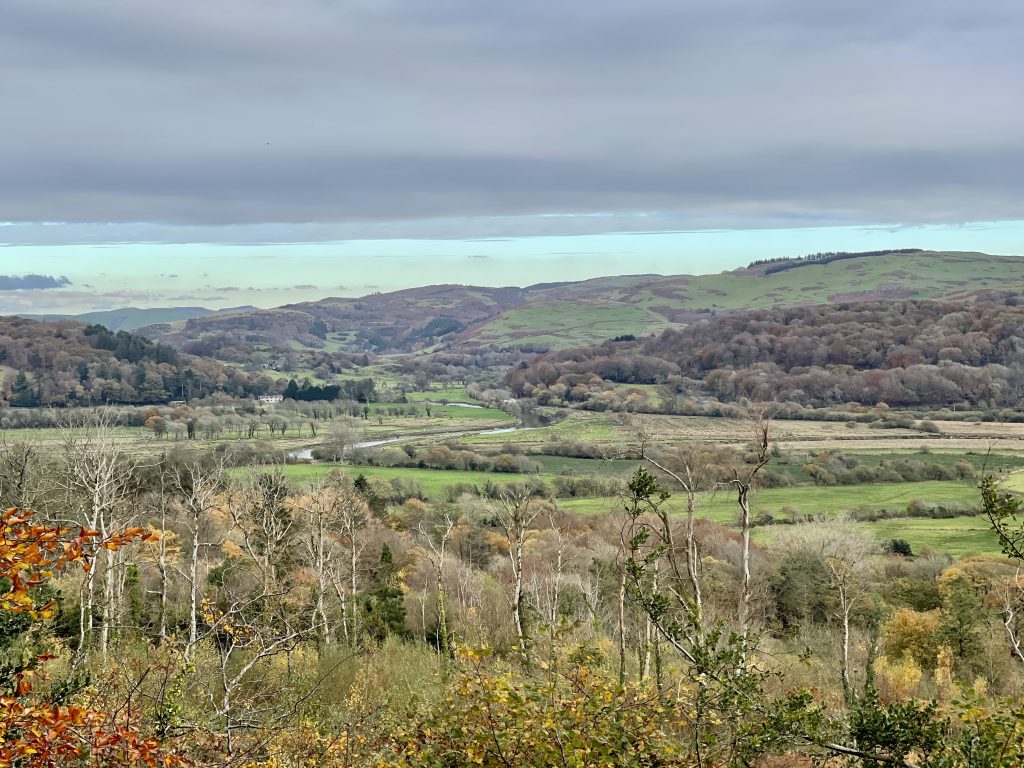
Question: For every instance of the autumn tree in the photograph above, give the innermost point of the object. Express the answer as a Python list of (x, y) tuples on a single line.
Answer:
[(37, 729), (331, 514), (515, 511)]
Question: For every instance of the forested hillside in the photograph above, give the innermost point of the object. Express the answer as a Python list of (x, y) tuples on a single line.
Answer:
[(399, 321), (902, 353), (69, 363)]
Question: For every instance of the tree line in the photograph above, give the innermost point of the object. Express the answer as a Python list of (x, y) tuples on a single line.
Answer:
[(905, 353)]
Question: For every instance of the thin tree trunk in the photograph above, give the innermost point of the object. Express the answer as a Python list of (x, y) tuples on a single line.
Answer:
[(745, 594), (354, 586), (558, 583), (692, 558), (162, 566), (517, 602), (622, 628), (344, 610), (442, 622), (423, 614), (193, 591), (847, 686), (109, 599)]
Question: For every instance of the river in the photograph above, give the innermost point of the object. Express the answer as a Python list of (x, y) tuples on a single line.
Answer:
[(306, 454)]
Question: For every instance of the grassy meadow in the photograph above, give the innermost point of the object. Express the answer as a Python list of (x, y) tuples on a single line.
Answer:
[(986, 447)]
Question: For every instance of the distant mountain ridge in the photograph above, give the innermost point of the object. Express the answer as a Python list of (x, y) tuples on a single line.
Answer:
[(561, 315), (133, 318)]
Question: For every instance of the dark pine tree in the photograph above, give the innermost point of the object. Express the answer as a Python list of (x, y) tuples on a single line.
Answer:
[(385, 607)]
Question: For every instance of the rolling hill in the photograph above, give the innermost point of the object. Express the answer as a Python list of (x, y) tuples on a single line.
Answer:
[(562, 315)]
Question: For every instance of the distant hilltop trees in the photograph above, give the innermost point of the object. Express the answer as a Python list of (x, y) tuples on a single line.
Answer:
[(783, 263)]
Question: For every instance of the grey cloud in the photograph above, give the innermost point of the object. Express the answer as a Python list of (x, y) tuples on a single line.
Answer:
[(228, 122), (35, 301), (31, 282)]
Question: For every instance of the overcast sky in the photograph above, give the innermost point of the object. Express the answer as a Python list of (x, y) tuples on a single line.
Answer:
[(249, 151)]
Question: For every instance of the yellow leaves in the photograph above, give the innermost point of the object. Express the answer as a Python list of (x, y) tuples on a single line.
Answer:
[(898, 679), (570, 715), (914, 634), (231, 549)]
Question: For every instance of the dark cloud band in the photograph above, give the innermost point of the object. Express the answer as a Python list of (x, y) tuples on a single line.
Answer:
[(333, 118), (31, 282)]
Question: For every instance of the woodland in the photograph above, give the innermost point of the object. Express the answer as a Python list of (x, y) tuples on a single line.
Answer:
[(168, 609)]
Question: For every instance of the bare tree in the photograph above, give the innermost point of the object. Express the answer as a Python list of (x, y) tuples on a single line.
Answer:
[(557, 524), (685, 479), (1010, 594), (331, 511), (251, 623), (260, 512), (845, 551), (99, 477), (200, 487), (166, 551), (436, 534), (743, 483), (516, 512), (21, 481)]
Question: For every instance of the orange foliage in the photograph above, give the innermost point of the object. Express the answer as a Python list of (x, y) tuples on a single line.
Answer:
[(36, 732)]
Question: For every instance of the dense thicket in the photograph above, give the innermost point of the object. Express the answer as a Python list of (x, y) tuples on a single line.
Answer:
[(902, 353), (69, 363), (359, 390)]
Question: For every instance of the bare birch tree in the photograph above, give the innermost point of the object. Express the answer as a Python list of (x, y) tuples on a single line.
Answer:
[(436, 534), (516, 511), (99, 477), (331, 512), (200, 488)]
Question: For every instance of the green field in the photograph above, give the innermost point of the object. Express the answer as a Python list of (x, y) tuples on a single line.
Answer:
[(1014, 482), (560, 324), (562, 465), (588, 427), (431, 481), (831, 501), (921, 274), (50, 434), (438, 411), (452, 395), (957, 536)]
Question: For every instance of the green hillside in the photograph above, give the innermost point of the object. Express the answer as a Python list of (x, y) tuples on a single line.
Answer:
[(596, 310), (560, 315)]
